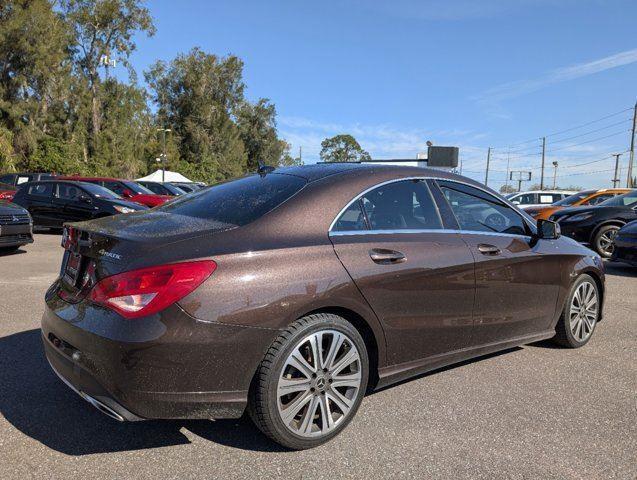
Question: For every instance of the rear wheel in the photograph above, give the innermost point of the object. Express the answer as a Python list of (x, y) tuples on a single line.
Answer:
[(311, 382), (604, 241), (580, 315)]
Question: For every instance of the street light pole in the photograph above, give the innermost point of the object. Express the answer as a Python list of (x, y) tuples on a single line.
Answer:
[(616, 178), (554, 173), (163, 155)]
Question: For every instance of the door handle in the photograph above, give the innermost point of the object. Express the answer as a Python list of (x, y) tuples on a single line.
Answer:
[(385, 257), (486, 249)]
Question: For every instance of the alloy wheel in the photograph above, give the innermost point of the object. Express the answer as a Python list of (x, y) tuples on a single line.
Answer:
[(583, 311), (607, 241), (319, 383)]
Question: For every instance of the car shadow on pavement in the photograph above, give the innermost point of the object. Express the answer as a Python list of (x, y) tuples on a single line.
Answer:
[(620, 269), (11, 253), (39, 405)]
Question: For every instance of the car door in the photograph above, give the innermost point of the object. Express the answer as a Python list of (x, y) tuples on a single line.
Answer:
[(39, 198), (416, 275), (78, 204), (518, 276)]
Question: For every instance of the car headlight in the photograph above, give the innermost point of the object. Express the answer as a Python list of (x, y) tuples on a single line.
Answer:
[(122, 209), (579, 217)]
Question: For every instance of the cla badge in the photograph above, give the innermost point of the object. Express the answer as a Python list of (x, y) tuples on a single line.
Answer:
[(104, 253)]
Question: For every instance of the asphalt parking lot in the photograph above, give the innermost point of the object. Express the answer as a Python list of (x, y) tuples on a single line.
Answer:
[(533, 412)]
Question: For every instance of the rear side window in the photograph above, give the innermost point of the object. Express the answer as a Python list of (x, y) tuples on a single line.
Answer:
[(68, 192), (599, 199), (41, 190), (237, 202), (402, 205)]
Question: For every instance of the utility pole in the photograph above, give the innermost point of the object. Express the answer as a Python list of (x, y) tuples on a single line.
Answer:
[(506, 182), (486, 176), (543, 157), (629, 180), (616, 178), (554, 173), (163, 155)]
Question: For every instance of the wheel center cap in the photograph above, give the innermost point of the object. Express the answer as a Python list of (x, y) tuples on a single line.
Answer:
[(320, 383)]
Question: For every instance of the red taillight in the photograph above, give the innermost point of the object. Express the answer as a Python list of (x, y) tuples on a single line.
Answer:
[(149, 290)]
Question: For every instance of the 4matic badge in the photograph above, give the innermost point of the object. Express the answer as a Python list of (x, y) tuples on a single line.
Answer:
[(104, 253)]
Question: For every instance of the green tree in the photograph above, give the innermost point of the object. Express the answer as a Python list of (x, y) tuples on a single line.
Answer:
[(505, 189), (257, 128), (196, 94), (342, 148), (33, 70), (103, 30)]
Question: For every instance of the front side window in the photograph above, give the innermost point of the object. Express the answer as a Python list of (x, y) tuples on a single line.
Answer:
[(478, 211), (41, 189), (625, 200), (401, 205), (116, 187)]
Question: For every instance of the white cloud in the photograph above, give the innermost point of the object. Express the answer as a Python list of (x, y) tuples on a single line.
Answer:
[(493, 96), (381, 141)]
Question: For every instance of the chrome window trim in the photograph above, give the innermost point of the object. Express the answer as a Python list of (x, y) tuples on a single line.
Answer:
[(425, 230), (522, 214)]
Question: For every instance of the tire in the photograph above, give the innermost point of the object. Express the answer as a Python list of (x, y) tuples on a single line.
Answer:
[(284, 416), (576, 326), (602, 236)]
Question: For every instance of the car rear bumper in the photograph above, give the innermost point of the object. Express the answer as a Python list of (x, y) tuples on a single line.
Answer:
[(167, 366)]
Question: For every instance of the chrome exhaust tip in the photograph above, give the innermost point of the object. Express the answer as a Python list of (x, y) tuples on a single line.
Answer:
[(105, 409)]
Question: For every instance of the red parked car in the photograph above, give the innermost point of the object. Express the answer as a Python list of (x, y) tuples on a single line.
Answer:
[(128, 189), (7, 191)]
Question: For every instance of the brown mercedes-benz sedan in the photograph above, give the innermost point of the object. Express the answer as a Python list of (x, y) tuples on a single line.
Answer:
[(293, 292)]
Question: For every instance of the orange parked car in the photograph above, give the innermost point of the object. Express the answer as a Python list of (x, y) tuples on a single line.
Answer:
[(579, 199)]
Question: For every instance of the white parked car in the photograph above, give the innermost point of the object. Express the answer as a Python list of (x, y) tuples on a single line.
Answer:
[(538, 198)]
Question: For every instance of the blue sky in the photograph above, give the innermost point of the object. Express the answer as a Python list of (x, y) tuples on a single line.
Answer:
[(398, 73)]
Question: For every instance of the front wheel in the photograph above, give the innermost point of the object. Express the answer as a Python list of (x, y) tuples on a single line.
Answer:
[(580, 315), (604, 241), (311, 382)]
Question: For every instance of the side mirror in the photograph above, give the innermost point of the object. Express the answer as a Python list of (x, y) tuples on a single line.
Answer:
[(127, 193), (85, 199), (515, 202), (548, 230)]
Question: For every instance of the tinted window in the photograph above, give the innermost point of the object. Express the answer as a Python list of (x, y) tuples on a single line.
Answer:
[(116, 187), (7, 179), (99, 191), (66, 191), (599, 199), (237, 202), (404, 205), (622, 200), (41, 189), (136, 188), (351, 219), (524, 199), (570, 200), (478, 211)]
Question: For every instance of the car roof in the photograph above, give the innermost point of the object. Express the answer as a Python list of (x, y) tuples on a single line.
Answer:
[(80, 178), (322, 170)]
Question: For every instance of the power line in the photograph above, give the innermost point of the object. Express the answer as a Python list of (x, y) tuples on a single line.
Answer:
[(587, 141)]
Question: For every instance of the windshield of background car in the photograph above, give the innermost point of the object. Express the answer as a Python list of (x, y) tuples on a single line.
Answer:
[(137, 188), (237, 202), (571, 199), (625, 200), (99, 191)]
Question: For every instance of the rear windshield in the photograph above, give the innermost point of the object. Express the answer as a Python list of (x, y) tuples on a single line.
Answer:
[(571, 199), (237, 202)]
